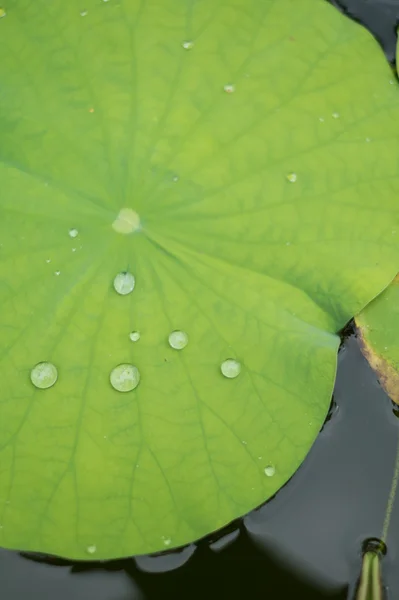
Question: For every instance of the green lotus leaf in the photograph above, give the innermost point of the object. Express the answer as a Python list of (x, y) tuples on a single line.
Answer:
[(378, 329), (195, 197)]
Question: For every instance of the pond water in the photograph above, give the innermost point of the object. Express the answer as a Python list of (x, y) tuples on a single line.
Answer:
[(305, 542)]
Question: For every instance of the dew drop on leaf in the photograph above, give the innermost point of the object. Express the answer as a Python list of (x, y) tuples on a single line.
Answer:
[(229, 88), (91, 549), (270, 471), (230, 368), (178, 340), (127, 221), (83, 13), (167, 541), (188, 44), (2, 13), (134, 336), (44, 375), (292, 177), (124, 283), (73, 233), (125, 377)]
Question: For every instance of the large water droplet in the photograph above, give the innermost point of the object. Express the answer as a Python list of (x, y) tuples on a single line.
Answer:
[(178, 340), (230, 368), (91, 549), (125, 377), (128, 221), (270, 470), (124, 283), (292, 177), (44, 375), (134, 336), (73, 233)]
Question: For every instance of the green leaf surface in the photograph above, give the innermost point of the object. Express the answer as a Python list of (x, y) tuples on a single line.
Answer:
[(240, 160), (378, 329)]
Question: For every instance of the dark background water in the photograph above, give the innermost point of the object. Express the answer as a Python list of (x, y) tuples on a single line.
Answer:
[(306, 542)]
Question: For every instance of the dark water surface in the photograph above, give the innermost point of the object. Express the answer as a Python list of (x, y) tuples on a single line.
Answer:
[(303, 544)]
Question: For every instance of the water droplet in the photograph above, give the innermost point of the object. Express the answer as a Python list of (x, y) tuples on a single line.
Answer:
[(178, 340), (127, 221), (335, 115), (368, 139), (48, 260), (229, 88), (73, 249), (188, 44), (244, 442), (83, 13), (167, 541), (124, 283), (134, 336), (57, 273), (175, 178), (91, 549), (270, 471), (292, 177), (321, 119), (125, 377), (391, 81), (230, 368), (44, 375), (73, 233), (2, 13)]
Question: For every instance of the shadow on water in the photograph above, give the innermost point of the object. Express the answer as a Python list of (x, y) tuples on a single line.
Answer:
[(306, 542)]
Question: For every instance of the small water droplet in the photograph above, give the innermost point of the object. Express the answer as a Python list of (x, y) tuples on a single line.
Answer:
[(48, 260), (292, 177), (368, 139), (124, 283), (57, 273), (44, 375), (134, 336), (230, 368), (73, 233), (288, 243), (229, 88), (335, 115), (91, 549), (391, 81), (73, 249), (83, 13), (167, 541), (188, 44), (125, 378), (2, 13), (270, 471), (244, 442), (127, 221), (175, 178), (321, 119), (178, 340)]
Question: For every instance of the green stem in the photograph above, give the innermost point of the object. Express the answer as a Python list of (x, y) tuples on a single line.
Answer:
[(370, 581), (391, 497)]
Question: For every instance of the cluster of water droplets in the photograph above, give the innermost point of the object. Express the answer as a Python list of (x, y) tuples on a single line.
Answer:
[(124, 377)]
